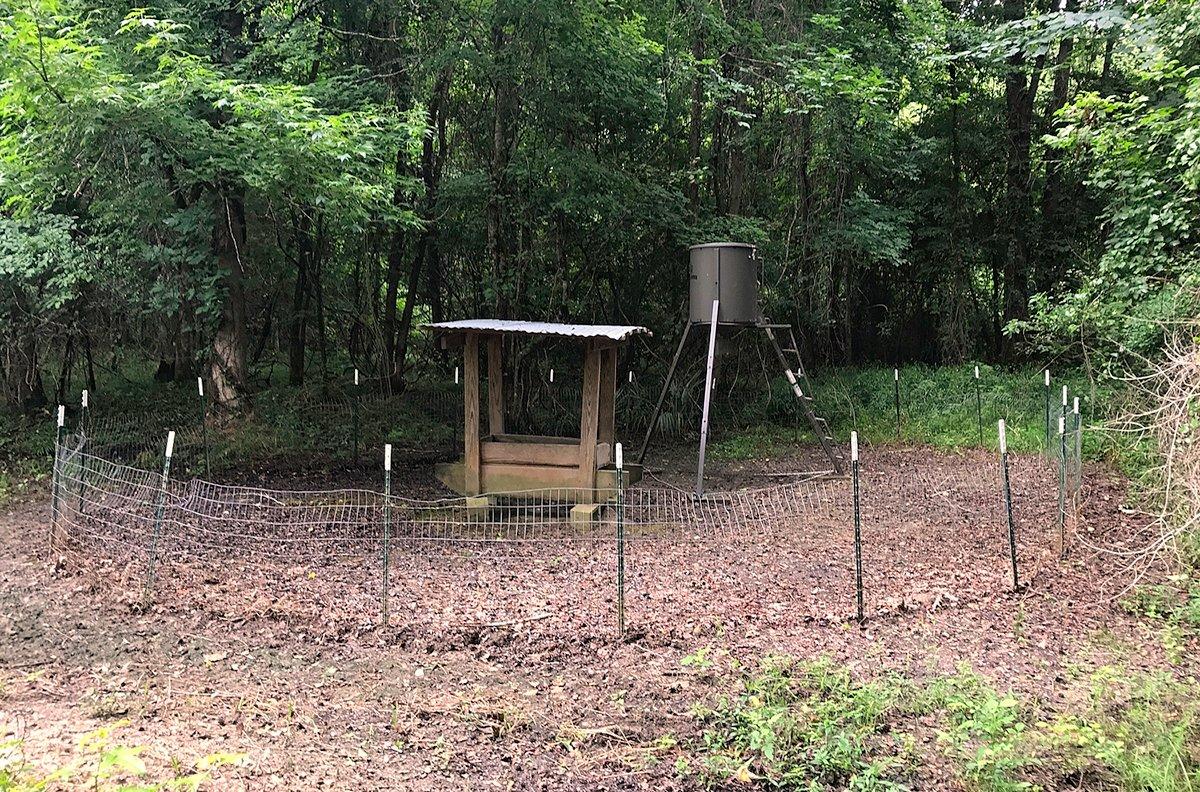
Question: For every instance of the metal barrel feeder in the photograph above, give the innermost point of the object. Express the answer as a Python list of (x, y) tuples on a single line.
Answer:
[(724, 296)]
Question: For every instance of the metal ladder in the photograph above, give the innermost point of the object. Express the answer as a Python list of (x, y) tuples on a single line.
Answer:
[(798, 378)]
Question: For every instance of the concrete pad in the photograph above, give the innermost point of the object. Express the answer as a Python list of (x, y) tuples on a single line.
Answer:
[(585, 513)]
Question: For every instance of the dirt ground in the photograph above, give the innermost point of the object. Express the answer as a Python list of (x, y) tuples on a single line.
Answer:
[(501, 666)]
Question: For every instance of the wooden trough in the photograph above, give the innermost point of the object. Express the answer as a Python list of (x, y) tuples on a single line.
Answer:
[(580, 469)]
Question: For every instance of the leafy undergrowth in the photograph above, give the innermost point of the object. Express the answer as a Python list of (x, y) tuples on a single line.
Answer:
[(791, 725), (938, 407), (102, 764), (794, 725)]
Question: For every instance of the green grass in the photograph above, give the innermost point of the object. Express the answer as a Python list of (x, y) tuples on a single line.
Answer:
[(753, 417), (938, 407), (100, 763), (800, 726), (811, 726)]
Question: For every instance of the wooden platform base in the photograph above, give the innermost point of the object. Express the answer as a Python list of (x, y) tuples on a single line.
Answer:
[(541, 482)]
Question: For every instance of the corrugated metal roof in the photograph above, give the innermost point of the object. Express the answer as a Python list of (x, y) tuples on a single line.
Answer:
[(585, 331)]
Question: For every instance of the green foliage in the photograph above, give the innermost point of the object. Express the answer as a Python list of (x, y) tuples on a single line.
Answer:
[(937, 408), (809, 726), (1141, 158), (1140, 733), (985, 731), (1175, 602), (101, 764), (795, 725)]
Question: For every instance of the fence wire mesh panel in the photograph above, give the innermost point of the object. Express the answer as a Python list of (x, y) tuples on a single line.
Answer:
[(933, 534)]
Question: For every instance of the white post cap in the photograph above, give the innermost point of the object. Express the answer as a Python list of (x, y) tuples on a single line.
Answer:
[(1077, 405), (896, 374), (355, 376), (387, 456), (1047, 378), (1064, 395), (1003, 437), (552, 375), (83, 398), (977, 372), (1061, 425), (170, 443), (631, 375), (200, 385), (620, 457), (62, 415), (456, 375), (854, 446)]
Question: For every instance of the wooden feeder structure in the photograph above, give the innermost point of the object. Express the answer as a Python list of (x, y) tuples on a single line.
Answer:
[(724, 296), (576, 469)]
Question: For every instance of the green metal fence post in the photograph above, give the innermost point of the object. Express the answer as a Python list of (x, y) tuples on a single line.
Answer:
[(354, 409), (158, 513), (1064, 406), (1008, 510), (896, 390), (1048, 411), (858, 573), (620, 542), (1062, 489), (204, 425), (978, 407), (54, 477), (1078, 447), (387, 524)]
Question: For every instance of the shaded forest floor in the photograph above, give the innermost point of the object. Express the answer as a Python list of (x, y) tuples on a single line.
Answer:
[(511, 676)]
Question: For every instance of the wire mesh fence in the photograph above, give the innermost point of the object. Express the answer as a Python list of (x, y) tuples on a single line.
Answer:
[(933, 529)]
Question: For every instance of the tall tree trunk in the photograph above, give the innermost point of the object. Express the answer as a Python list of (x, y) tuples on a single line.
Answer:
[(1020, 92), (392, 293), (89, 363), (298, 327), (64, 373), (410, 303), (695, 124), (434, 159), (500, 240), (1055, 222), (318, 279), (228, 369)]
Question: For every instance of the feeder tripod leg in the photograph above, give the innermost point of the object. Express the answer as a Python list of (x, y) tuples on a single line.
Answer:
[(708, 381), (662, 397)]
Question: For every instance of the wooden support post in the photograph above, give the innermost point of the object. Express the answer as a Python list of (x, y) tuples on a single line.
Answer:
[(608, 396), (471, 414), (589, 417), (495, 351)]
